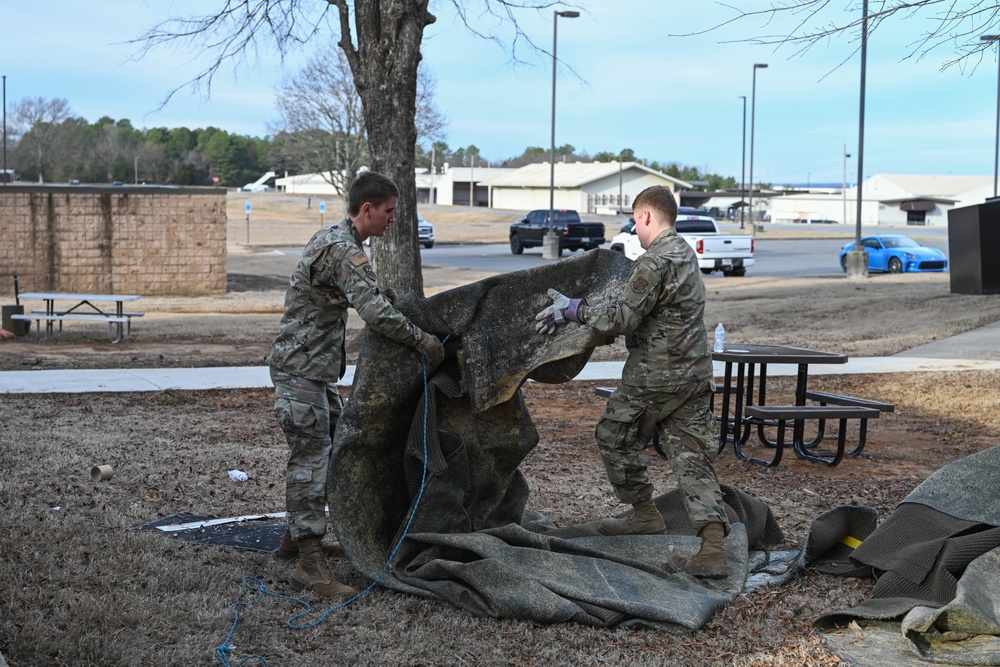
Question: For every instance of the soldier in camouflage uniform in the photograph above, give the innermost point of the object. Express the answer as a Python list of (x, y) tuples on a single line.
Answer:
[(667, 382), (307, 359)]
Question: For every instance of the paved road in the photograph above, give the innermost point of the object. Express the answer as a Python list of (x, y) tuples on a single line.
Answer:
[(807, 257), (802, 257)]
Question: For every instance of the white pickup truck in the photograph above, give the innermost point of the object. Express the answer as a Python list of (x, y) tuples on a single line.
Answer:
[(730, 253)]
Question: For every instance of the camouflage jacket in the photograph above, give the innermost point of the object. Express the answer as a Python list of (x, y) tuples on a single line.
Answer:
[(661, 313), (332, 275)]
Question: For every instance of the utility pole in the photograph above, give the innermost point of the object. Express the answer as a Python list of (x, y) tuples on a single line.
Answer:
[(856, 261), (430, 198), (743, 163), (5, 130)]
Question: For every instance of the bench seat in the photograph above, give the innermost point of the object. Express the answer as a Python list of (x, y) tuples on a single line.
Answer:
[(110, 320), (839, 399), (787, 412), (781, 414)]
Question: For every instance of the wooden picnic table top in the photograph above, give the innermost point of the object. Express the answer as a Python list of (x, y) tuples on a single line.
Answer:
[(776, 354), (69, 296)]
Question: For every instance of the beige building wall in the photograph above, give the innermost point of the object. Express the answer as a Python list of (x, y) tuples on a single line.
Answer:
[(113, 240)]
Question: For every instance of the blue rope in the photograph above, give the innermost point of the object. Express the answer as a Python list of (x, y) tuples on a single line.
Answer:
[(222, 651)]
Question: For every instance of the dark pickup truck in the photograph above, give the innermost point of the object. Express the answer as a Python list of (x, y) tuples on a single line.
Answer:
[(572, 232)]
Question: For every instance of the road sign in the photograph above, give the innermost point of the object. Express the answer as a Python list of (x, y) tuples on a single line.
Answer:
[(247, 208), (322, 207)]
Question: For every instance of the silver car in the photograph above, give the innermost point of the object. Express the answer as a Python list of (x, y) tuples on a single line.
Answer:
[(425, 232)]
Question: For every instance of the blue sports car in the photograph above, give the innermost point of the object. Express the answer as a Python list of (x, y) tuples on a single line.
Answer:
[(895, 253)]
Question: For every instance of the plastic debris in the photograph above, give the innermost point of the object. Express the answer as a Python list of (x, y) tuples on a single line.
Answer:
[(238, 476)]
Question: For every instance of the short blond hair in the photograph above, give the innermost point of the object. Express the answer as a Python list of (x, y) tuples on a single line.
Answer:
[(660, 199)]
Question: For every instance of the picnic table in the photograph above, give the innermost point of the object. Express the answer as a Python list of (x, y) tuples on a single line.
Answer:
[(81, 308), (745, 409)]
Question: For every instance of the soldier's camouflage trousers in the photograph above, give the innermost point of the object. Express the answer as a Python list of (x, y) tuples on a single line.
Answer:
[(307, 412), (683, 417)]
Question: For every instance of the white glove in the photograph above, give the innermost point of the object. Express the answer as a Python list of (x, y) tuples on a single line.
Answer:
[(562, 309)]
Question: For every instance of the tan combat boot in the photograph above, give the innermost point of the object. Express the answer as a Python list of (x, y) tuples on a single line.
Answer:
[(710, 561), (645, 521), (289, 548), (311, 572)]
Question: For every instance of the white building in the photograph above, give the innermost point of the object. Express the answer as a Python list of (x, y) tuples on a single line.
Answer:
[(456, 186), (305, 184), (590, 187), (888, 199)]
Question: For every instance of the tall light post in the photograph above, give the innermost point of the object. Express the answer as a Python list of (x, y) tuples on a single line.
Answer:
[(753, 110), (5, 129), (550, 244), (844, 191), (856, 261), (619, 181), (743, 163), (996, 147)]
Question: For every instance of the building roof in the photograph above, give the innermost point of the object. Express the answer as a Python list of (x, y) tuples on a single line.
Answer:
[(573, 174), (929, 187)]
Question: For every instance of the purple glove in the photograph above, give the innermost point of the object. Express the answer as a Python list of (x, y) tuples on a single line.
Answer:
[(562, 309)]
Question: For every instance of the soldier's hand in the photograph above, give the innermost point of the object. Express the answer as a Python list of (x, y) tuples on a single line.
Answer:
[(431, 347), (390, 295), (563, 308)]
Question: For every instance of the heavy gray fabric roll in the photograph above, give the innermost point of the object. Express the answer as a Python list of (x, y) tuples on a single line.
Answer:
[(442, 466)]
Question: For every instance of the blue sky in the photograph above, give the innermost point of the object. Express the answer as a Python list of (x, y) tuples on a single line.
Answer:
[(635, 82)]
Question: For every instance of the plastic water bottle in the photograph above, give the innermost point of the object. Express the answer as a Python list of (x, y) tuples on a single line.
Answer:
[(720, 338)]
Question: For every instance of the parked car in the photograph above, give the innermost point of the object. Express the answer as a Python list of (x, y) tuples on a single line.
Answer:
[(573, 233), (683, 213), (425, 232), (730, 253), (895, 253)]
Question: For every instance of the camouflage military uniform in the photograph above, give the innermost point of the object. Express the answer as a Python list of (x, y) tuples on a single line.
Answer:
[(307, 358), (667, 381)]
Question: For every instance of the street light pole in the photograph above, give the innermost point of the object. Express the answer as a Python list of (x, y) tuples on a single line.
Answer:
[(620, 205), (996, 147), (743, 162), (753, 111), (5, 129), (856, 261), (550, 244)]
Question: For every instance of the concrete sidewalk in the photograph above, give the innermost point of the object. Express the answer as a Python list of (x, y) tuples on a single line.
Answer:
[(159, 379), (978, 349)]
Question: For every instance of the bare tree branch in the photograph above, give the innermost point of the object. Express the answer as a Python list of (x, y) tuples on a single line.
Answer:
[(953, 24), (234, 34)]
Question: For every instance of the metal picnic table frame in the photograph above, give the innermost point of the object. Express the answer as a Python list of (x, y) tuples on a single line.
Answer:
[(736, 429), (86, 308)]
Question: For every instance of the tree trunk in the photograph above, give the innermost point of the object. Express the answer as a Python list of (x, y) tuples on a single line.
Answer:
[(389, 33)]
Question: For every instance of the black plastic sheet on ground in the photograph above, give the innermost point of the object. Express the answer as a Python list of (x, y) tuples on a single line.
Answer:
[(253, 534), (472, 540)]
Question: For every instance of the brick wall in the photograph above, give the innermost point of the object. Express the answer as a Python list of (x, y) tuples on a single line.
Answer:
[(113, 239)]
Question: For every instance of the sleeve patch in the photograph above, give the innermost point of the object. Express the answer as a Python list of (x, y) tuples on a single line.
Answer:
[(639, 285), (359, 259)]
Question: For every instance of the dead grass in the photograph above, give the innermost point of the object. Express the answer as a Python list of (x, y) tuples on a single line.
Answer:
[(82, 588)]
